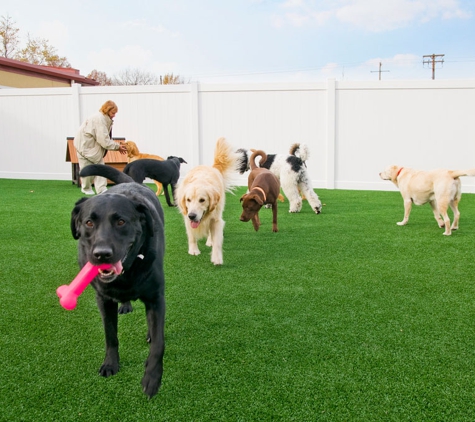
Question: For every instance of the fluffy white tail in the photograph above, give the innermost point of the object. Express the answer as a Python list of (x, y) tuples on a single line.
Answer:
[(300, 150)]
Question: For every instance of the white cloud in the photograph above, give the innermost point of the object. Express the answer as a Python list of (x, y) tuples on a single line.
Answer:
[(321, 17), (377, 15), (293, 3), (372, 15), (405, 60), (297, 19), (141, 24), (331, 70)]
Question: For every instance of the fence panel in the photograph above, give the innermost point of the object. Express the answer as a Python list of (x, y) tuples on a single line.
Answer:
[(353, 129)]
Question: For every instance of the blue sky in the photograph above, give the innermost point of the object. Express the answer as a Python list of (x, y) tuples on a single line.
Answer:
[(227, 41)]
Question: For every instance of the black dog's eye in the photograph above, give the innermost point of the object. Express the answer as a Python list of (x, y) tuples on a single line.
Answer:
[(89, 224), (120, 222)]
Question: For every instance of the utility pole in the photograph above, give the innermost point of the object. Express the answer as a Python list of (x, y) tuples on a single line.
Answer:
[(379, 71), (433, 59)]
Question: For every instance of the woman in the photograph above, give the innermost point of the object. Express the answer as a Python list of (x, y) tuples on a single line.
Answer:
[(92, 142)]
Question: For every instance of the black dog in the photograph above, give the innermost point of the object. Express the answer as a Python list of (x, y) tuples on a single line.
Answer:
[(125, 224), (166, 172)]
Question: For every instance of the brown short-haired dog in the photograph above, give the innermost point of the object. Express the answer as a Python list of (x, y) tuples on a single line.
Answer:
[(264, 188)]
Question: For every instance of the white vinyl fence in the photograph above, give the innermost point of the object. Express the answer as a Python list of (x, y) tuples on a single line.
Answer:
[(353, 129)]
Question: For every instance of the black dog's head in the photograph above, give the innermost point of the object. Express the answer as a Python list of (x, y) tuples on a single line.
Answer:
[(110, 228), (180, 160)]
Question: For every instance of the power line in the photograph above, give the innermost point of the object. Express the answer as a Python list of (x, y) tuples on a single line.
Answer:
[(343, 66)]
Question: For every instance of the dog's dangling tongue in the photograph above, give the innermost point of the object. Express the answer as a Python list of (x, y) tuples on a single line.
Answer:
[(117, 267), (194, 224)]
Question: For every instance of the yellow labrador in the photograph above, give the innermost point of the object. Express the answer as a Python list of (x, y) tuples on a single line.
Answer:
[(441, 188)]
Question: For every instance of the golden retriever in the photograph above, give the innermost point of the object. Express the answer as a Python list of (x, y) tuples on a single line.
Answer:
[(441, 188), (133, 154), (201, 197)]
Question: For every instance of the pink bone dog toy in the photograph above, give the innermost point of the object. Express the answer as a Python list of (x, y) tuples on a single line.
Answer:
[(69, 294)]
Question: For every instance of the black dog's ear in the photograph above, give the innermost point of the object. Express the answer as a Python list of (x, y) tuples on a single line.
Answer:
[(147, 217), (183, 161), (74, 218)]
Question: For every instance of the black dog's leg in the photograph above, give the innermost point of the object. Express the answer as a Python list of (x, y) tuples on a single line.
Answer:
[(108, 309), (167, 196), (152, 378), (173, 185)]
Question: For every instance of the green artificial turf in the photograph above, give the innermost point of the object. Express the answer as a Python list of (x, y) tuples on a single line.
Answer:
[(342, 316)]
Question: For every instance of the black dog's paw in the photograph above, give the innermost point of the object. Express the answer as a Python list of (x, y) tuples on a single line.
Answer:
[(107, 369), (152, 378), (125, 308), (151, 385)]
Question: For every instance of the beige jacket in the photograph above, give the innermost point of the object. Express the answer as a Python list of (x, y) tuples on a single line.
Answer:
[(92, 139)]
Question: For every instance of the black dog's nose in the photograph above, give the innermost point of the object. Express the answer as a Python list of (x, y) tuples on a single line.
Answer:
[(102, 254), (191, 215)]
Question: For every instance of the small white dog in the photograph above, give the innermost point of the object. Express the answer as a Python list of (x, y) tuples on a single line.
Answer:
[(292, 173), (201, 198), (441, 188)]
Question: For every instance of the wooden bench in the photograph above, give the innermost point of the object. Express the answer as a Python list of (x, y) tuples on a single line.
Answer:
[(113, 158)]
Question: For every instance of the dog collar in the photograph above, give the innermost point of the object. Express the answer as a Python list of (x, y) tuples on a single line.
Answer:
[(261, 190), (397, 175)]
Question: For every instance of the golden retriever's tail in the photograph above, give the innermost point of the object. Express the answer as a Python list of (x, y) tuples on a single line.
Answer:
[(226, 161), (457, 173)]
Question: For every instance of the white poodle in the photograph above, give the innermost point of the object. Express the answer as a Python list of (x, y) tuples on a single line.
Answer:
[(292, 172)]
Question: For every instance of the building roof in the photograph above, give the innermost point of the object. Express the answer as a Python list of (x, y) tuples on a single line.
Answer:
[(62, 74)]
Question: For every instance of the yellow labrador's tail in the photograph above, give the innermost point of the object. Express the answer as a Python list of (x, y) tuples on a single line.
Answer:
[(226, 161), (457, 173)]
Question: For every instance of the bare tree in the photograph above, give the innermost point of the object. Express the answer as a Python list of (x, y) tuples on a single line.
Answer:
[(39, 51), (171, 79), (9, 38), (100, 77), (135, 77)]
